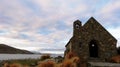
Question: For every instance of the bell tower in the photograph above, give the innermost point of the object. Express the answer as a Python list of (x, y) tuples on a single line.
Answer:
[(76, 28)]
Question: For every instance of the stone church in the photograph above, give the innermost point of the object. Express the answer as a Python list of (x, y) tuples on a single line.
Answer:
[(91, 40)]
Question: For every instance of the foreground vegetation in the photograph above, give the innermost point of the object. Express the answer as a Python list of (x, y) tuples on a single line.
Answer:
[(70, 60)]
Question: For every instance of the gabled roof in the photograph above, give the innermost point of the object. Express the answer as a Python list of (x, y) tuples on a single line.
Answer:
[(89, 22), (68, 42), (93, 21)]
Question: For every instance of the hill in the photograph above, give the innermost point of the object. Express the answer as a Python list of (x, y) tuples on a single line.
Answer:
[(11, 50)]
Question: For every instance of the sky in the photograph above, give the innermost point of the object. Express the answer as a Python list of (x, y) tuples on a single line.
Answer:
[(46, 25)]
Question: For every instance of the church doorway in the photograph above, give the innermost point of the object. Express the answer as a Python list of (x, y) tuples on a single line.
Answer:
[(93, 49)]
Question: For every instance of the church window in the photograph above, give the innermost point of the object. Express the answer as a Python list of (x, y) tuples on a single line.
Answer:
[(77, 26)]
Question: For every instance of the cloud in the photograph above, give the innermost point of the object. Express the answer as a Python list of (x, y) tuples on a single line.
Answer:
[(109, 13), (115, 32), (37, 24)]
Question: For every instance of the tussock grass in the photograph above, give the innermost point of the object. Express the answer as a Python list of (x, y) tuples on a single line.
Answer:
[(70, 60), (46, 64), (115, 59)]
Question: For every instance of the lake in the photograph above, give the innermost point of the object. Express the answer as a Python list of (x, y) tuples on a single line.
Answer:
[(22, 56)]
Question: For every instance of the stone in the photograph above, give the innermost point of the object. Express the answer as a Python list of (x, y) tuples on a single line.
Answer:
[(91, 40), (102, 64)]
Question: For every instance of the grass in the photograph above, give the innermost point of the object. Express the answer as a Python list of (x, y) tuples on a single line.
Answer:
[(28, 62), (47, 64), (70, 60), (115, 59)]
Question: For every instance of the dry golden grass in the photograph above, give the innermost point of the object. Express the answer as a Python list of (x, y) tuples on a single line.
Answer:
[(71, 60), (12, 65), (69, 55), (26, 66), (46, 64), (58, 65), (5, 65), (75, 59), (15, 65), (115, 59), (68, 63)]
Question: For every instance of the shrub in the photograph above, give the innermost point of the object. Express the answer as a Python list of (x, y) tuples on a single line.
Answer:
[(28, 62), (15, 65), (26, 66), (5, 65), (59, 59), (44, 57), (70, 60), (70, 55), (74, 60), (68, 63), (115, 59), (47, 64), (58, 65)]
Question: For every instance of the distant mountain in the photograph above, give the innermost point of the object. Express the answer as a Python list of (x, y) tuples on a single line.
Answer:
[(11, 50)]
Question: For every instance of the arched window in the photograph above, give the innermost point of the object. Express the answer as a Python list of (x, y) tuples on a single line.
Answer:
[(77, 26)]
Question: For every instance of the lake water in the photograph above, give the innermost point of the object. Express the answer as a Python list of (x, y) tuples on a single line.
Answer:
[(21, 56)]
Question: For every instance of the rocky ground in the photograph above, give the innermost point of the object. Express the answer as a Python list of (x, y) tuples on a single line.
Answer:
[(102, 64)]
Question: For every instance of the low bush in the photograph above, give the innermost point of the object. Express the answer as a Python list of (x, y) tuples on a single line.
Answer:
[(15, 65), (68, 63), (12, 65), (75, 61), (115, 59), (70, 55), (46, 64), (71, 60), (44, 57)]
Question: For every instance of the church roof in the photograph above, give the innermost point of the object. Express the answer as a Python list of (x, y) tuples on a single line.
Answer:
[(93, 22)]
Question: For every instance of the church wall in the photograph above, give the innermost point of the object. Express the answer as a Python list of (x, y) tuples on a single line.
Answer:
[(92, 30)]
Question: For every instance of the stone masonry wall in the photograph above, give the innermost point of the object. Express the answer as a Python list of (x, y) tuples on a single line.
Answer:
[(92, 30)]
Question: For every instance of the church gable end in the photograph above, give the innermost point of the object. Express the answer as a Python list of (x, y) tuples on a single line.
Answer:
[(91, 40), (96, 29)]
